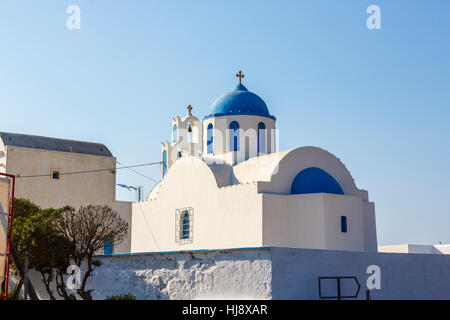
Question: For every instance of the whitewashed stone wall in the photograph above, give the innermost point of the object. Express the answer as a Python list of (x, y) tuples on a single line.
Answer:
[(267, 273), (210, 275)]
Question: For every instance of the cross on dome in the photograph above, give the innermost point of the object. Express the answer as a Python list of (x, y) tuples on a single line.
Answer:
[(189, 107), (240, 75)]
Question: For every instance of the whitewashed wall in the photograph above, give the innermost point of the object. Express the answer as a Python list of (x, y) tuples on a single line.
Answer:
[(295, 273), (74, 190), (227, 217), (269, 273), (239, 216), (231, 274), (416, 248)]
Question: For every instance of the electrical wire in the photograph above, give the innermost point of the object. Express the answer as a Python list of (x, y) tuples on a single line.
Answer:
[(91, 171), (137, 172)]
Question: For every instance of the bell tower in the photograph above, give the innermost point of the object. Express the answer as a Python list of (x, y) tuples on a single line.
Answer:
[(186, 140)]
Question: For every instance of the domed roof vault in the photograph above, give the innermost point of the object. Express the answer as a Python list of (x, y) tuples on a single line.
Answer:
[(276, 172), (239, 101)]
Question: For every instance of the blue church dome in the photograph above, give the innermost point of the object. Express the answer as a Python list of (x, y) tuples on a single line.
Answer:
[(239, 101)]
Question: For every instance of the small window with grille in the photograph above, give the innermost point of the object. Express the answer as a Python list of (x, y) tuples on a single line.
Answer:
[(184, 221)]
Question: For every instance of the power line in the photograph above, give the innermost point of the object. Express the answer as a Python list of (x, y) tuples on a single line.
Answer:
[(137, 172), (91, 171)]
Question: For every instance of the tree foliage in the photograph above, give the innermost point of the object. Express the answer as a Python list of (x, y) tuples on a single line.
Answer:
[(86, 230), (56, 237), (127, 296), (32, 231)]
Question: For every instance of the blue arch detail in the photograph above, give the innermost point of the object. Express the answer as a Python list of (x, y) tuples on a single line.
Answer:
[(234, 136), (174, 133), (164, 162), (209, 139), (315, 180), (261, 137)]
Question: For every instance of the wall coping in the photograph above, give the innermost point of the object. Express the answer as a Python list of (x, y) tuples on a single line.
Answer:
[(178, 252)]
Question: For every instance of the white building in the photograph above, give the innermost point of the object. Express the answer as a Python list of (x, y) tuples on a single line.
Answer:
[(416, 248), (232, 217), (45, 173), (225, 185)]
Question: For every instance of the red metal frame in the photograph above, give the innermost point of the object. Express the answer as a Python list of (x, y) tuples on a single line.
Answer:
[(10, 221)]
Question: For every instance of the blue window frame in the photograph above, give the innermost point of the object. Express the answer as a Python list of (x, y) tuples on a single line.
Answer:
[(234, 136), (343, 224), (185, 225), (108, 247), (174, 133), (210, 139), (261, 137), (164, 162)]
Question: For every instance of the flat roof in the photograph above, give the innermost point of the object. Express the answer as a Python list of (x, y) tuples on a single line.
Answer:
[(54, 144)]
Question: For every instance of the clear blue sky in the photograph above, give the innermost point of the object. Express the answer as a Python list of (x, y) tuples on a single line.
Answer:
[(379, 100)]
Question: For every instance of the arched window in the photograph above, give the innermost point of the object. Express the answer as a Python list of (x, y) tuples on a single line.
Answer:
[(174, 133), (261, 138), (185, 225), (209, 139), (164, 162), (315, 180), (234, 136)]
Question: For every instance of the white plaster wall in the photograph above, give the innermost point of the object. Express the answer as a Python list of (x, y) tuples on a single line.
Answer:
[(295, 273), (239, 274), (370, 228), (415, 248), (300, 221), (336, 206), (124, 209), (226, 217), (273, 273), (74, 190), (214, 275), (294, 221), (313, 221), (442, 248)]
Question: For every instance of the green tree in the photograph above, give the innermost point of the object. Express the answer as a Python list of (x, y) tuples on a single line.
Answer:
[(86, 230), (56, 237), (49, 253)]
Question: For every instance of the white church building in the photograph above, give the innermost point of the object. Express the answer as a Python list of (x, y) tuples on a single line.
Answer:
[(225, 185), (232, 216)]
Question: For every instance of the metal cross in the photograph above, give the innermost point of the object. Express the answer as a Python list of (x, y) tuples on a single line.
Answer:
[(240, 75)]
